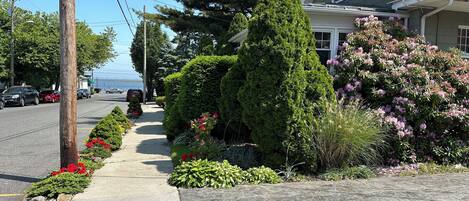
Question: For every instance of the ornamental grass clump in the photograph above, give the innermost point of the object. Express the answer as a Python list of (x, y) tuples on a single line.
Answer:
[(277, 57), (420, 91), (345, 135)]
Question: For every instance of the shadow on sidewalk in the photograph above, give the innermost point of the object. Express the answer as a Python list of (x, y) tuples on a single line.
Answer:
[(151, 116), (150, 130), (154, 146), (163, 166)]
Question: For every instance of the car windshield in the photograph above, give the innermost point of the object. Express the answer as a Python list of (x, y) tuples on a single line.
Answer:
[(13, 90)]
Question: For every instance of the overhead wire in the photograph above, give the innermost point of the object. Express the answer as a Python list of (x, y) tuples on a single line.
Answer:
[(125, 17), (130, 13)]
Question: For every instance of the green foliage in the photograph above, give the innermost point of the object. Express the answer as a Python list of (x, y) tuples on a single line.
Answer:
[(121, 118), (97, 152), (40, 66), (172, 122), (361, 172), (230, 108), (134, 107), (200, 85), (160, 100), (92, 164), (238, 24), (109, 130), (210, 149), (276, 56), (158, 45), (346, 135), (65, 183), (177, 150), (204, 173), (261, 175)]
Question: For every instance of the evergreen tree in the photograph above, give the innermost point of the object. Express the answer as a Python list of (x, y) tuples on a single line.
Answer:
[(277, 57), (239, 23)]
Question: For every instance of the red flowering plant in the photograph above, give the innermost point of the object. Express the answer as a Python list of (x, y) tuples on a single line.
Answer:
[(73, 169), (204, 125), (96, 147), (188, 157)]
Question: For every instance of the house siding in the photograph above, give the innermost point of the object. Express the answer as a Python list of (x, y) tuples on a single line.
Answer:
[(442, 28)]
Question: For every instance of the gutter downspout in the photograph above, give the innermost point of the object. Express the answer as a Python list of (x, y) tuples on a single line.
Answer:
[(424, 17)]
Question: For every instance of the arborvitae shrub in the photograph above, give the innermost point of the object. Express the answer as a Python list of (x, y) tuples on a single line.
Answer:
[(278, 51), (200, 85), (230, 108), (120, 117), (109, 130), (172, 122), (238, 24), (135, 107)]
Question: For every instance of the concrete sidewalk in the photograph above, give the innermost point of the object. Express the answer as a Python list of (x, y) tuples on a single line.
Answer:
[(140, 170)]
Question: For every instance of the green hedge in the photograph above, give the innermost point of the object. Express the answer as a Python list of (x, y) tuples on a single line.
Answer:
[(171, 121), (276, 56), (121, 118), (110, 131), (200, 85)]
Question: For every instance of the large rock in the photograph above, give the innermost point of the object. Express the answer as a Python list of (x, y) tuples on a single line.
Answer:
[(38, 198), (65, 197)]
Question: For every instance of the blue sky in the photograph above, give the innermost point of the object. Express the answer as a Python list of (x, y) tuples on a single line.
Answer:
[(98, 14)]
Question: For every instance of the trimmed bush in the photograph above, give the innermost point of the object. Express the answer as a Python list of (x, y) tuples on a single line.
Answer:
[(347, 135), (66, 183), (261, 175), (120, 117), (172, 122), (110, 131), (204, 173), (92, 164), (276, 56), (135, 108), (230, 108), (160, 100), (200, 85)]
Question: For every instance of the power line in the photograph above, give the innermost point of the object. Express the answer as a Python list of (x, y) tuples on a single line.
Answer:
[(207, 16), (130, 13), (125, 17)]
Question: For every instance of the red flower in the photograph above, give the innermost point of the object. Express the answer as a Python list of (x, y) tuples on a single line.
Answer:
[(72, 168), (89, 144), (215, 115), (82, 171), (184, 157), (54, 173), (81, 165), (94, 140), (62, 170), (191, 156), (202, 127)]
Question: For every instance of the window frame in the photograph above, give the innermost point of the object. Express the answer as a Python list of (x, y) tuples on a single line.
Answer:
[(458, 41)]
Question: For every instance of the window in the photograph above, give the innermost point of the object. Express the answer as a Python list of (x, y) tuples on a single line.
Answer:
[(342, 39), (463, 38), (323, 45)]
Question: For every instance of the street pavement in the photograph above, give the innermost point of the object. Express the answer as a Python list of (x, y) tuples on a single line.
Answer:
[(29, 140)]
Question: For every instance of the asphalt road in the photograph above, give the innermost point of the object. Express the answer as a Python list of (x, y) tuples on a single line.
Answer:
[(29, 140)]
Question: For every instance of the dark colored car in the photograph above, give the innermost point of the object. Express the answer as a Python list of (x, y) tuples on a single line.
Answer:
[(21, 96), (85, 93), (134, 93), (49, 96), (2, 102)]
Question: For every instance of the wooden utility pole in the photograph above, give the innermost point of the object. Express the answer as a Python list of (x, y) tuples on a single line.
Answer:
[(144, 55), (68, 84), (12, 44)]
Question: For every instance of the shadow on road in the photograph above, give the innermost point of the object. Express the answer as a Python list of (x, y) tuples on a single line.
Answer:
[(19, 178)]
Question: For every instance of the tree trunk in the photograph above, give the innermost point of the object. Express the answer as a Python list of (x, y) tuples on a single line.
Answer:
[(68, 80)]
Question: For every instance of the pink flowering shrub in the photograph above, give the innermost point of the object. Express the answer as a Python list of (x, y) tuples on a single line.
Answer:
[(419, 90)]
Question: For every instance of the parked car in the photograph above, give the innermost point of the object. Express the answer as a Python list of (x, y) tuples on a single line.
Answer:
[(97, 90), (2, 102), (134, 93), (85, 93), (49, 96), (114, 91), (21, 96)]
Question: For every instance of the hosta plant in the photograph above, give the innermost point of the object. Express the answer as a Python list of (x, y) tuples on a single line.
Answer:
[(261, 175), (204, 173)]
